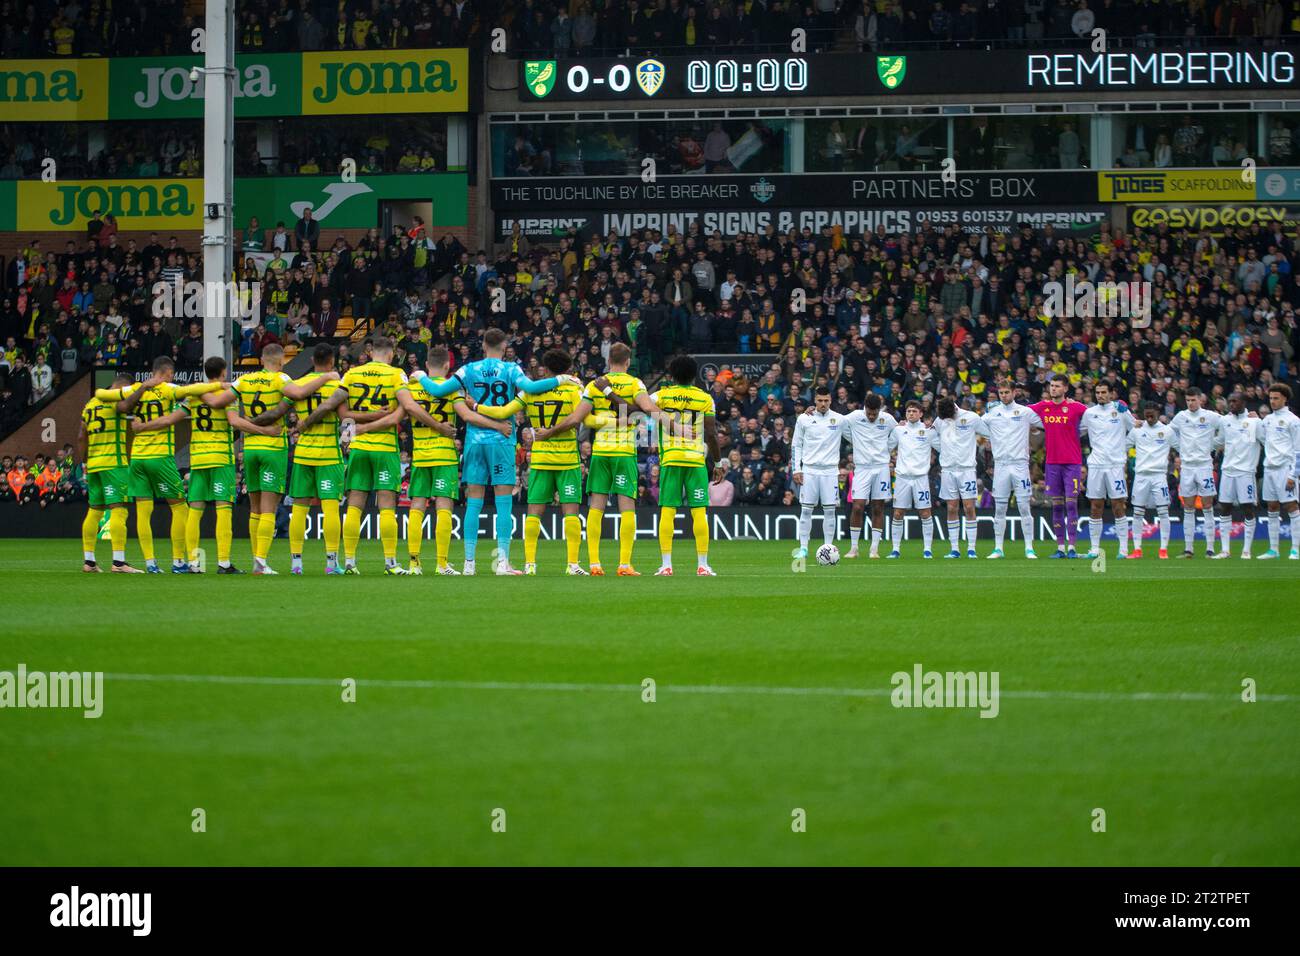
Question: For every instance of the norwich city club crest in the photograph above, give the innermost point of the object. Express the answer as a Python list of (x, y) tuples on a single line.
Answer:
[(539, 77), (649, 76), (891, 70)]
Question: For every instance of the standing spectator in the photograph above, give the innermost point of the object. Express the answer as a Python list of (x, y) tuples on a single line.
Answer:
[(42, 379), (307, 231)]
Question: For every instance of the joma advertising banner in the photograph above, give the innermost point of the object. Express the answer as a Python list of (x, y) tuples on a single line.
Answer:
[(48, 91), (171, 204), (266, 84)]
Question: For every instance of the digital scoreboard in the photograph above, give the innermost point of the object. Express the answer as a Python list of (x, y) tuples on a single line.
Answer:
[(959, 72)]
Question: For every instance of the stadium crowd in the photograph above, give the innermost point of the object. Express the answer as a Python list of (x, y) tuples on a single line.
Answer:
[(68, 28), (933, 314)]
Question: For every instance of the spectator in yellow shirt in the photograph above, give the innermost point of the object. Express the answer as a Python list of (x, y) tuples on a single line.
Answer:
[(364, 36), (311, 167), (1184, 347), (410, 161)]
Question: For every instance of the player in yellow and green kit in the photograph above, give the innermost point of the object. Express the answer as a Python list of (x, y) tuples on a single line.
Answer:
[(374, 460), (317, 476), (262, 396), (555, 470), (435, 463), (153, 463), (612, 471), (103, 440), (212, 462), (687, 432)]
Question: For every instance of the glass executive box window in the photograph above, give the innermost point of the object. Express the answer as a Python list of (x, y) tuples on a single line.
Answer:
[(686, 145)]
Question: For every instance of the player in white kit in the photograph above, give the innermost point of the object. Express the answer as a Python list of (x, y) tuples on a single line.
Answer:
[(1009, 425), (1239, 437), (869, 429), (1194, 430), (916, 443), (815, 457), (959, 430), (1107, 427), (1280, 433), (1152, 440)]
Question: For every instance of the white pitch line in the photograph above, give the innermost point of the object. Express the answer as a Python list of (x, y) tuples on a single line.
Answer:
[(714, 689)]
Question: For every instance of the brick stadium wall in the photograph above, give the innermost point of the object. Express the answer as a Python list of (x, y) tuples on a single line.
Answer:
[(65, 410)]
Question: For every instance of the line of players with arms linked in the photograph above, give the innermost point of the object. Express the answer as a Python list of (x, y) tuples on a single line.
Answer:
[(1196, 434), (128, 442)]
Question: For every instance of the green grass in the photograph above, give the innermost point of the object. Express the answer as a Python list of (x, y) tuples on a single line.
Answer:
[(289, 774)]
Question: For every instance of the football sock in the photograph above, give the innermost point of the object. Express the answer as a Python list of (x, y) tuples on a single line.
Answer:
[(573, 537), (829, 525), (473, 508), (298, 528), (180, 523), (594, 518), (414, 532), (1026, 522), (626, 536), (351, 534), (388, 533), (805, 525), (877, 535), (1210, 526), (225, 531), (1295, 529), (1121, 532), (1162, 515), (667, 516), (1225, 532), (700, 525), (927, 533), (265, 535), (1094, 533), (1072, 520), (954, 535), (855, 535), (896, 532), (999, 522), (331, 526), (1249, 534), (1274, 529), (442, 535), (144, 526), (972, 533), (117, 532), (532, 531), (193, 533), (505, 524), (90, 532), (1058, 521)]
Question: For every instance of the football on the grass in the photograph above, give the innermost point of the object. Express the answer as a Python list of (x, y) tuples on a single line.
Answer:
[(828, 554)]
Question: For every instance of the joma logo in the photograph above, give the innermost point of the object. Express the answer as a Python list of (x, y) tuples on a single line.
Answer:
[(121, 200), (35, 87), (174, 83), (361, 79)]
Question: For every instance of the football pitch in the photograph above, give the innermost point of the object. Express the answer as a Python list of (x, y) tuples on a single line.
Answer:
[(520, 705)]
